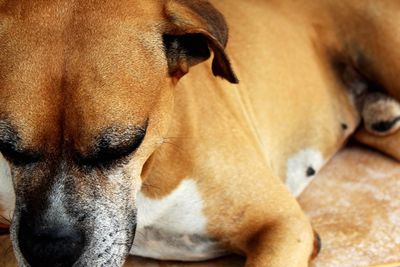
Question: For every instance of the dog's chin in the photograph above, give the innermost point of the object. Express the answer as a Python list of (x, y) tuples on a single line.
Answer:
[(105, 245)]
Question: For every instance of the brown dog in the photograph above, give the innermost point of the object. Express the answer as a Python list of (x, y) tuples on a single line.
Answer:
[(101, 134)]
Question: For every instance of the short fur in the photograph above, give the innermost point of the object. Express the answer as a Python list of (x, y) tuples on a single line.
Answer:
[(72, 72)]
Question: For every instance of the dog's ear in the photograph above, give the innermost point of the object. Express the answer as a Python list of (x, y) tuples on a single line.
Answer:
[(194, 28)]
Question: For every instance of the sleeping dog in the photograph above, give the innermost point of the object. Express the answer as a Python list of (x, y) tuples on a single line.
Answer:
[(116, 136)]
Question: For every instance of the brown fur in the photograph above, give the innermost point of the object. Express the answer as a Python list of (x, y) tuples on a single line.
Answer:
[(71, 69)]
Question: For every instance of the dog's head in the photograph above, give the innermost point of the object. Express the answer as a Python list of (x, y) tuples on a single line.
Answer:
[(86, 91)]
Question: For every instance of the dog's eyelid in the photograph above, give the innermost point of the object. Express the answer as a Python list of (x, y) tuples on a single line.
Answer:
[(113, 144), (17, 155), (10, 146)]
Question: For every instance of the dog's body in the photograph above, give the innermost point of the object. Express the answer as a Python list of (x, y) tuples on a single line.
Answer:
[(209, 177), (251, 134)]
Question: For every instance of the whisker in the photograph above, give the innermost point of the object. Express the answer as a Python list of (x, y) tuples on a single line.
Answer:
[(7, 252), (177, 137), (146, 184), (173, 144), (142, 234), (4, 219)]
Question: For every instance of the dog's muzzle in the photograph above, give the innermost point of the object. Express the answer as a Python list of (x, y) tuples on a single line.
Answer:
[(96, 236), (52, 242), (49, 242)]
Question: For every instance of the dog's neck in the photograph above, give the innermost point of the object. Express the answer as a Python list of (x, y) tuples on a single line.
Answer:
[(206, 108)]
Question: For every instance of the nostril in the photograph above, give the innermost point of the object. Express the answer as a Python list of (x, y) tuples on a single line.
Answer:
[(54, 234), (55, 245)]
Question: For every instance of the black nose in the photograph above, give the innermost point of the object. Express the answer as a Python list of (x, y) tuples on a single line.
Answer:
[(48, 242)]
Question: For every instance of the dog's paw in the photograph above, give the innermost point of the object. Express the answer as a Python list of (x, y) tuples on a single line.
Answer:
[(381, 114)]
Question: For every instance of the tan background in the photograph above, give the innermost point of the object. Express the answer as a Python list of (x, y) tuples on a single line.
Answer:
[(354, 204)]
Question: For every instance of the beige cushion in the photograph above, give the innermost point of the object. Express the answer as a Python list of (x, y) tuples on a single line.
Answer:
[(355, 206)]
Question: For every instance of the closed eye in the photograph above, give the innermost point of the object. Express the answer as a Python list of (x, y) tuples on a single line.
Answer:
[(10, 146), (18, 156), (113, 145)]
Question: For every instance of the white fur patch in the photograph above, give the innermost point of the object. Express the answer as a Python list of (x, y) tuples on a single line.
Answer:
[(298, 166), (7, 195), (174, 228)]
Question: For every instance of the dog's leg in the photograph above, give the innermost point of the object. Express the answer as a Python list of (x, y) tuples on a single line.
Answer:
[(281, 234), (381, 118), (381, 114), (286, 242)]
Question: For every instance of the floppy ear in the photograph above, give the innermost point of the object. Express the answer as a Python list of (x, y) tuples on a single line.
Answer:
[(194, 28)]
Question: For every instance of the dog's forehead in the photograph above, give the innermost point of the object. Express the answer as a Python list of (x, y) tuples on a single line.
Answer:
[(87, 63)]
